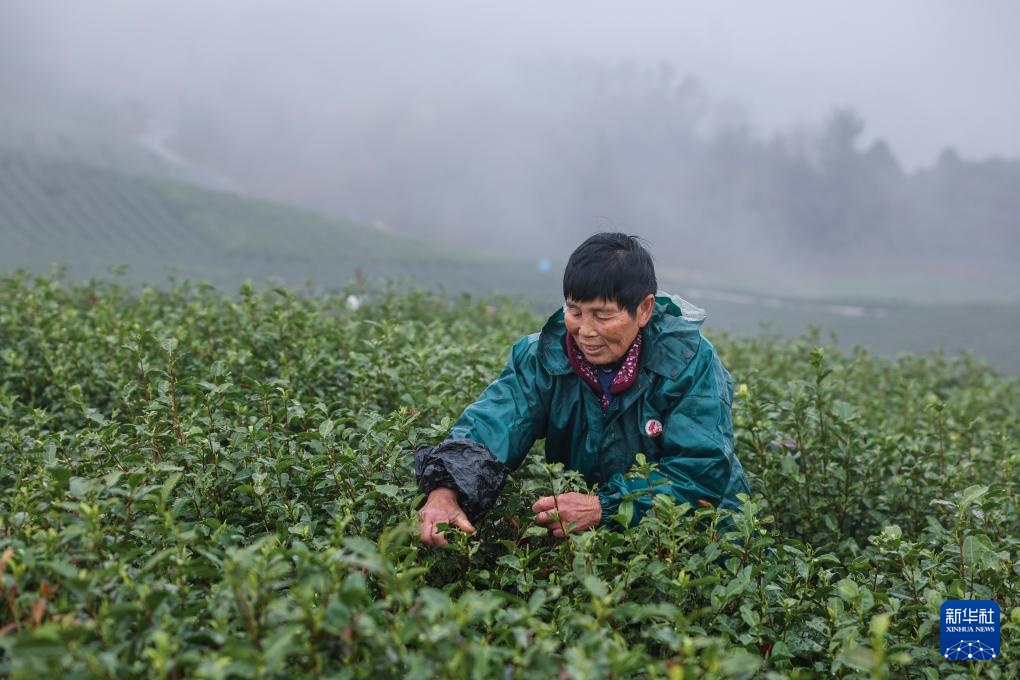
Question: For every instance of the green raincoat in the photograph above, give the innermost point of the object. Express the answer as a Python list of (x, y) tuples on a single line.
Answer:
[(677, 414)]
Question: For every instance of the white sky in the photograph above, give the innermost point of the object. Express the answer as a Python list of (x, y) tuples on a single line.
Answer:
[(923, 74)]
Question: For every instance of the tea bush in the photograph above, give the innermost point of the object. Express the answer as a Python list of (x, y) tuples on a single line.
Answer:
[(204, 485)]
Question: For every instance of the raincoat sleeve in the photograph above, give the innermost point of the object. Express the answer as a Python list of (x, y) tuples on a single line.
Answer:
[(492, 435), (697, 465)]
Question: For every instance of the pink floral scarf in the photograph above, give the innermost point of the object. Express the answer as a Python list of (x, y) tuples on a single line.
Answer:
[(625, 378)]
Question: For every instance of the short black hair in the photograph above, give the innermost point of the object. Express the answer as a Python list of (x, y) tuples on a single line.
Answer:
[(613, 267)]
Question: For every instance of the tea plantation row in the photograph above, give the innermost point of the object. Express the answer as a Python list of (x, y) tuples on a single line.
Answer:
[(195, 484)]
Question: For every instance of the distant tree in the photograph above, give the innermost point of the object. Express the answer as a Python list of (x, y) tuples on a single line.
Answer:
[(844, 199), (842, 131)]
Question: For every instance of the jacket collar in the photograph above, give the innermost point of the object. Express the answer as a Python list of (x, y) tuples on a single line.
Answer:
[(672, 337)]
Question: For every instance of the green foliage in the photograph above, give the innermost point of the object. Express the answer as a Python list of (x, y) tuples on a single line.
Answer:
[(201, 485)]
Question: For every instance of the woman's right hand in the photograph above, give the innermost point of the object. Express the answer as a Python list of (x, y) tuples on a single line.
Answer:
[(441, 507)]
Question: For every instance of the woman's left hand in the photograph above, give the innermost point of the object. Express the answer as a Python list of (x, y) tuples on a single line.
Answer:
[(576, 512)]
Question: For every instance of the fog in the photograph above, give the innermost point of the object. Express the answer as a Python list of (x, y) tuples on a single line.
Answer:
[(779, 145)]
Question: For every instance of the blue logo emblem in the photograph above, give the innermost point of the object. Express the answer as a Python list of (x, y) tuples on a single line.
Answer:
[(969, 630)]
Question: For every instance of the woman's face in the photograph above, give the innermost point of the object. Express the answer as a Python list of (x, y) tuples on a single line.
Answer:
[(602, 329)]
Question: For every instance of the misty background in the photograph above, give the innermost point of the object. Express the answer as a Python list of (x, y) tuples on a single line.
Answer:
[(833, 159)]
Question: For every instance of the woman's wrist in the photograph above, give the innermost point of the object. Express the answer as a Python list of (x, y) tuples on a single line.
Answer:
[(442, 493)]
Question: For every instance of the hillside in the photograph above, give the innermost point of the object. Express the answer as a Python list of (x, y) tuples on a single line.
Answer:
[(64, 130), (120, 209), (59, 211)]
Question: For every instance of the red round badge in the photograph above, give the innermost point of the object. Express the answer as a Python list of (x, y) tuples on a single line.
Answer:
[(653, 428)]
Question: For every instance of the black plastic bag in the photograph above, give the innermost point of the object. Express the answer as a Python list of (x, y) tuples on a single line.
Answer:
[(465, 466)]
